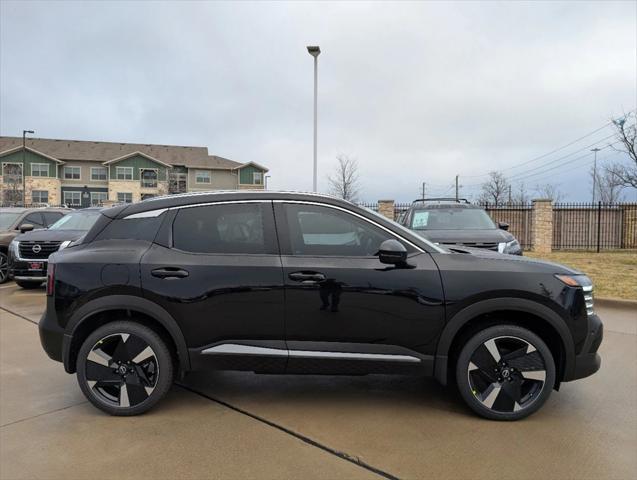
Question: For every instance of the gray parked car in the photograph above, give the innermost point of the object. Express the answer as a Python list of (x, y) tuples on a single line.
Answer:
[(15, 220)]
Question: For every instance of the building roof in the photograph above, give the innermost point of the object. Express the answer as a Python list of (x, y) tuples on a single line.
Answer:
[(193, 157)]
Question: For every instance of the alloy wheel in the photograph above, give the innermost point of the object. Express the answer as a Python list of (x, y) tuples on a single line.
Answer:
[(506, 374), (4, 267), (122, 370)]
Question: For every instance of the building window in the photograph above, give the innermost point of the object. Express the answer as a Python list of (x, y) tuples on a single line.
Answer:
[(202, 176), (98, 198), (257, 178), (124, 197), (124, 173), (39, 169), (98, 173), (146, 196), (149, 178), (72, 173), (12, 173), (72, 199), (40, 196)]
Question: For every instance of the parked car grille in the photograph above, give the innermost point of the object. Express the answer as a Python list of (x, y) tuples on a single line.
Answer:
[(488, 246), (46, 249), (588, 298)]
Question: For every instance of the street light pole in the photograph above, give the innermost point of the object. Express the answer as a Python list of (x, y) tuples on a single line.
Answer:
[(595, 150), (24, 166), (315, 51)]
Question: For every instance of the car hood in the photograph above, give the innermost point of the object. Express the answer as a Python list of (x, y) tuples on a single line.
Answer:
[(44, 235), (492, 235)]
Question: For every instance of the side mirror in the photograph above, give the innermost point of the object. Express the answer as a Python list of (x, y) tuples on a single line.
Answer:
[(26, 227), (503, 226), (392, 252)]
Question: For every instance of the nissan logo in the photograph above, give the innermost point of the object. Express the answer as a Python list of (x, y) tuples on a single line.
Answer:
[(36, 248)]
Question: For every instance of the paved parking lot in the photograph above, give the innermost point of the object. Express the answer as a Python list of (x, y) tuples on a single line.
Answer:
[(241, 425)]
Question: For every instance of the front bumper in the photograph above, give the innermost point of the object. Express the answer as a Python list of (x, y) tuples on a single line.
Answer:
[(22, 270), (588, 361)]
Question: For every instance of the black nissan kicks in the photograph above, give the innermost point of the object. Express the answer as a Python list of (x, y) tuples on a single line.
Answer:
[(306, 284)]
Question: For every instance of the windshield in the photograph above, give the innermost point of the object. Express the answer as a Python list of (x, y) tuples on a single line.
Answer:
[(76, 221), (7, 219), (451, 219), (399, 227)]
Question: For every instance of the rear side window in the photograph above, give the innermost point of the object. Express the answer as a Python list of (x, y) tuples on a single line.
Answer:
[(132, 229), (230, 228)]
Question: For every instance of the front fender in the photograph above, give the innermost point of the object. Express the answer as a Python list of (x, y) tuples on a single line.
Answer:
[(492, 305)]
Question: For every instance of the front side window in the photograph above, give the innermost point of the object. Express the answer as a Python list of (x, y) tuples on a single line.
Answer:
[(34, 219), (12, 173), (257, 178), (39, 169), (98, 173), (234, 228), (72, 173), (98, 198), (124, 173), (73, 198), (324, 231), (124, 197), (451, 219), (40, 196), (149, 178), (51, 217), (202, 176)]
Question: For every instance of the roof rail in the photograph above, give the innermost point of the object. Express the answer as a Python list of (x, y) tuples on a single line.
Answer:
[(441, 199)]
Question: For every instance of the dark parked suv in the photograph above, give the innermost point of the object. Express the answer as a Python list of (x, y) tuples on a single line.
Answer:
[(306, 284)]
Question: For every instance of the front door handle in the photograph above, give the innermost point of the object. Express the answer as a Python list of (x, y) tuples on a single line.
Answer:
[(307, 277), (169, 272)]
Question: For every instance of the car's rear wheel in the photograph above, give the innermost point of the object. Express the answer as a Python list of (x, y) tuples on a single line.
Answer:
[(124, 368), (4, 267), (28, 285), (505, 372)]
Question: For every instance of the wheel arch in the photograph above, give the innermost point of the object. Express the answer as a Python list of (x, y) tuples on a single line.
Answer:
[(98, 312), (531, 311)]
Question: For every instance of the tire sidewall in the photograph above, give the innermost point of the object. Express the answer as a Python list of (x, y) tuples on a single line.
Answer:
[(164, 359), (479, 338)]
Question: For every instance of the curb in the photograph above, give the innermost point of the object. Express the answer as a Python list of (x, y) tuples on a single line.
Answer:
[(615, 303)]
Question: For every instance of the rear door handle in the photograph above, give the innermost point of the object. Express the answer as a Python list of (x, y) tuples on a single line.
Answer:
[(307, 277), (169, 272)]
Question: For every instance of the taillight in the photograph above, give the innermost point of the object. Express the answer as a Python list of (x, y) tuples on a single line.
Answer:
[(50, 278)]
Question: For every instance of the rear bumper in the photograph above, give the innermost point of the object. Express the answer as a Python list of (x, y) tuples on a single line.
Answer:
[(51, 337), (588, 361)]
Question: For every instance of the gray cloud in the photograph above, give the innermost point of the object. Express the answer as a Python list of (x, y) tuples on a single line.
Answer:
[(416, 91)]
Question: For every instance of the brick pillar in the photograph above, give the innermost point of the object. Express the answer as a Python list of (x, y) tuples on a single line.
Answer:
[(629, 227), (386, 208), (542, 231)]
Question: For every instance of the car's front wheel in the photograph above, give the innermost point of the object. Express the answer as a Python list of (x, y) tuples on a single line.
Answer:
[(4, 267), (124, 368), (505, 372)]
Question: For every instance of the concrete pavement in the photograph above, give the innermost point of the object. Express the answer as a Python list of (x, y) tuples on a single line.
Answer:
[(241, 425)]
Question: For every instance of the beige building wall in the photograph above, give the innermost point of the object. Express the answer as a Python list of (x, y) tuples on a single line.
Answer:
[(219, 180), (51, 185), (134, 187), (85, 174)]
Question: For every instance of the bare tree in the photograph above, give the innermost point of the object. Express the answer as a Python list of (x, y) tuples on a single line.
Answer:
[(608, 188), (521, 195), (344, 182), (549, 191), (625, 173), (495, 190)]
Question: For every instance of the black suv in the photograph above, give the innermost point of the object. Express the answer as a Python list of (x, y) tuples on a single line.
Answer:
[(447, 221), (301, 283)]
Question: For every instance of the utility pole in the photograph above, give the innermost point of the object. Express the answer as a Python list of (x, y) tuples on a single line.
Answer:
[(423, 190), (315, 51), (24, 166), (595, 150), (457, 187), (509, 194)]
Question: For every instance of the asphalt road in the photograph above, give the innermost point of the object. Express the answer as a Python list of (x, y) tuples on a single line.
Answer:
[(241, 425)]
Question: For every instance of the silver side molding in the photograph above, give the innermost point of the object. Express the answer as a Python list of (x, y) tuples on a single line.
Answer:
[(234, 349)]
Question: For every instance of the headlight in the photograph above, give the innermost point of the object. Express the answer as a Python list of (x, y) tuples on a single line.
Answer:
[(65, 244), (14, 248), (509, 247), (580, 281)]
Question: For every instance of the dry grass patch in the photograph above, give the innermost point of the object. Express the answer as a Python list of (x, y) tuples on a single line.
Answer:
[(613, 273)]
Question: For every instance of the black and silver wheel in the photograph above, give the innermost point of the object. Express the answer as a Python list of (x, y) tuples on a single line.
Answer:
[(4, 267), (505, 372), (124, 368)]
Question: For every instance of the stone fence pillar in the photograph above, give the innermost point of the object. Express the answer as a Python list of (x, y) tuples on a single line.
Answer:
[(542, 227), (629, 227), (386, 208)]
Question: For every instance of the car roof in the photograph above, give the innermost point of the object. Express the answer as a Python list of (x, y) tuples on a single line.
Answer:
[(169, 201), (33, 209)]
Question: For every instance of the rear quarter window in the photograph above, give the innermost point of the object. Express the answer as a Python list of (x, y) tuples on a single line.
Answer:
[(131, 229)]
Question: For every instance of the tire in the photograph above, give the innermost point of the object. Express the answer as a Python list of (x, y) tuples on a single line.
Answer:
[(28, 285), (124, 368), (4, 267), (505, 372)]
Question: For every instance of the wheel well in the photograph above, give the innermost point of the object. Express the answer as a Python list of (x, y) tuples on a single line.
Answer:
[(93, 322), (534, 323)]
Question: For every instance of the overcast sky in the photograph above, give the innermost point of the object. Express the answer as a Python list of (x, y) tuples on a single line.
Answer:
[(415, 91)]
